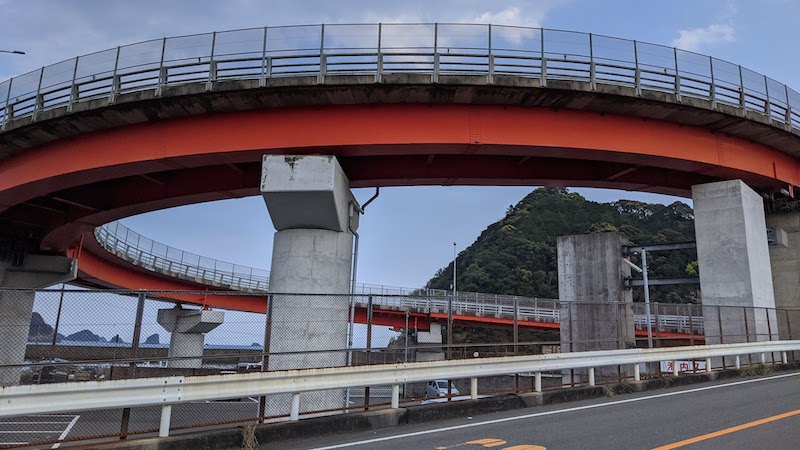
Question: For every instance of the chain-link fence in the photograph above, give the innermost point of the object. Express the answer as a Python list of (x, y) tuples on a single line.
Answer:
[(74, 335)]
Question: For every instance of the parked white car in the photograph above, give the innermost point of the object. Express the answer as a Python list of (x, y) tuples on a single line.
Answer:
[(438, 388)]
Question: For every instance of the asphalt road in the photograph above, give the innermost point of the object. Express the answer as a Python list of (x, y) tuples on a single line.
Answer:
[(742, 414)]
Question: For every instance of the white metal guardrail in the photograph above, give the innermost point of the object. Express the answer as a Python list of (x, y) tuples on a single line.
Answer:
[(376, 50), (168, 391)]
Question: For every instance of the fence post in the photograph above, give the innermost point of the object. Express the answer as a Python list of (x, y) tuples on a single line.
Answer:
[(677, 78), (262, 401), (516, 340), (137, 335), (369, 348)]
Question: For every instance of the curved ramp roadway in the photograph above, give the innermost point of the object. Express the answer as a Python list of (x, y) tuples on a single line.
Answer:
[(750, 413)]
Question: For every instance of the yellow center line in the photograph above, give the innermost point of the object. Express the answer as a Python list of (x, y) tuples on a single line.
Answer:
[(743, 426)]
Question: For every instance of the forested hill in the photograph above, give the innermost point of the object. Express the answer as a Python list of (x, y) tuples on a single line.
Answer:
[(517, 255)]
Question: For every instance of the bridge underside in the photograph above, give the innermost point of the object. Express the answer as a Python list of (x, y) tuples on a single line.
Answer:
[(58, 191)]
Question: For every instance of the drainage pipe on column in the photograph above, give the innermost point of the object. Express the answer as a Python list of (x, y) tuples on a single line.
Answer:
[(354, 209)]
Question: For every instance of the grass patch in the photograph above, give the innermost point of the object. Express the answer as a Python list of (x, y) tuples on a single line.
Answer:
[(758, 370)]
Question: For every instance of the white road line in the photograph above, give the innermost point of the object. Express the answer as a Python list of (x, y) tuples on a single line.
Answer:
[(550, 413), (66, 432), (34, 423), (34, 431)]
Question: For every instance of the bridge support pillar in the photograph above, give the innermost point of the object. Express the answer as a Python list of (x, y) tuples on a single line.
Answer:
[(734, 261), (188, 328), (785, 261), (596, 311), (430, 338), (16, 307), (316, 216)]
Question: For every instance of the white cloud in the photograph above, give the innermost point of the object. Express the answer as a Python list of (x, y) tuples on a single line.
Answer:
[(511, 16), (697, 38)]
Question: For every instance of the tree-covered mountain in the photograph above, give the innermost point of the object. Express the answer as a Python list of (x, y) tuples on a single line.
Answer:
[(517, 255)]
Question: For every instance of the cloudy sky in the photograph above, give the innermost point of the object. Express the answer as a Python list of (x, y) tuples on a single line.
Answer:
[(407, 234)]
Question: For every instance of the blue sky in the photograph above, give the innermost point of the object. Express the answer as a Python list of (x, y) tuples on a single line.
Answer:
[(407, 234)]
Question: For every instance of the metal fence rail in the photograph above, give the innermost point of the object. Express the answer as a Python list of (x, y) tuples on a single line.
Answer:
[(435, 49), (154, 256), (78, 335), (168, 391)]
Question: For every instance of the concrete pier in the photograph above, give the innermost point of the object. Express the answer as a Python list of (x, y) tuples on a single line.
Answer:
[(188, 328), (785, 261), (595, 307), (16, 307), (734, 262), (315, 215), (430, 339)]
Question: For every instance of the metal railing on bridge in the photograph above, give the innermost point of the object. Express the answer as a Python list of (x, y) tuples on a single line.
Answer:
[(377, 50), (154, 256)]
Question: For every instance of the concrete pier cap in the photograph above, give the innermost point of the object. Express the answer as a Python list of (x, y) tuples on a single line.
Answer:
[(188, 328), (307, 192)]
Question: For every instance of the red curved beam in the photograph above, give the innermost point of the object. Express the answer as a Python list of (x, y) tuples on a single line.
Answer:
[(381, 130)]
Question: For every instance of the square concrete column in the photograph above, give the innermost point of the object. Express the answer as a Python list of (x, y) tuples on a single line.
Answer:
[(735, 272), (188, 328), (315, 215), (16, 306), (785, 261), (596, 309)]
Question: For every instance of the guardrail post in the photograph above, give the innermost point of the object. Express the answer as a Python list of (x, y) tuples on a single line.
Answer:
[(543, 71), (38, 103), (473, 388), (784, 358), (592, 69), (379, 68), (262, 80), (73, 89), (435, 76), (7, 107), (742, 94), (738, 362), (767, 105), (166, 416), (395, 396), (636, 373), (115, 80), (677, 77), (674, 368), (162, 71), (763, 358), (490, 75), (537, 380), (294, 415), (637, 73), (713, 88), (708, 365), (788, 119), (591, 376)]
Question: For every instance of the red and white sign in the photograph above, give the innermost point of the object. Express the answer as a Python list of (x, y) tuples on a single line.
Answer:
[(683, 366)]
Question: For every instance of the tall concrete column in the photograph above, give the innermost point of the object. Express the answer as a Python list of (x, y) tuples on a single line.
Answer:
[(785, 263), (16, 306), (188, 328), (734, 262), (596, 309), (315, 214), (430, 338)]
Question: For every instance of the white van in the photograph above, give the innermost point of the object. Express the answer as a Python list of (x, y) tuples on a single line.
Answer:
[(438, 388)]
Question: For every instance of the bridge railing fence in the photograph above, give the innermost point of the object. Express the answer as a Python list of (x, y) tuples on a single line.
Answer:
[(380, 49), (94, 335)]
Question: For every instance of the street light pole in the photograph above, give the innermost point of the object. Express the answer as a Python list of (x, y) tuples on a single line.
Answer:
[(455, 289)]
